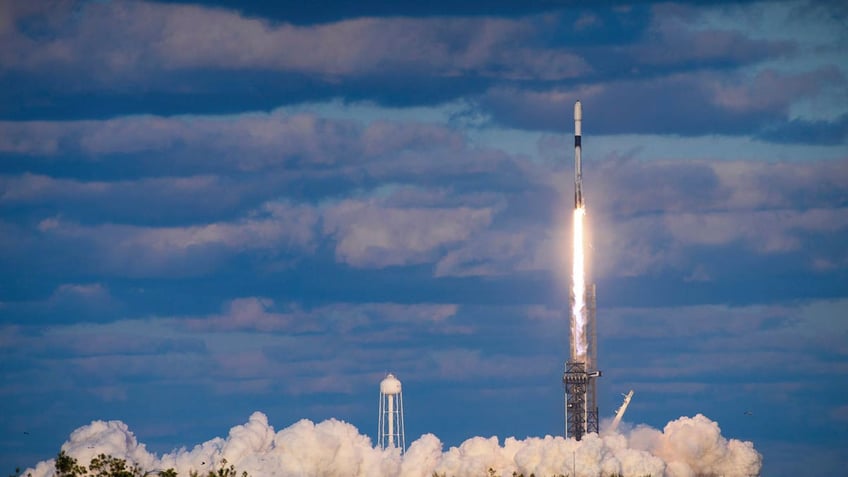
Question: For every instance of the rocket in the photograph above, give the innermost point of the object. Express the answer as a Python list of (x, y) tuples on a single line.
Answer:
[(578, 168)]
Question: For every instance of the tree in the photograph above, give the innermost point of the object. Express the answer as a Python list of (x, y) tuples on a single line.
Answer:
[(107, 466), (66, 466), (224, 471)]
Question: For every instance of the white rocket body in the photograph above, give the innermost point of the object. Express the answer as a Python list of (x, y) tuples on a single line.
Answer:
[(578, 167)]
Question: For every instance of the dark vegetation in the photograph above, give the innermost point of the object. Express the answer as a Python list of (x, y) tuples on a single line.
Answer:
[(107, 466)]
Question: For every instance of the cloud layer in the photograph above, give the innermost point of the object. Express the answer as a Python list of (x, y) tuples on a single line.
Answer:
[(713, 74)]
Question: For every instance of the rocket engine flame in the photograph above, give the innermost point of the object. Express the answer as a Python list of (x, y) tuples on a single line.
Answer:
[(578, 291)]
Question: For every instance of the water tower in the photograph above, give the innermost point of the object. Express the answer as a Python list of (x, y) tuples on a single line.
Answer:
[(390, 434)]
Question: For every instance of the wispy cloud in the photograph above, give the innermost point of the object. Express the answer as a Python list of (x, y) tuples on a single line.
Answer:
[(371, 235), (143, 251)]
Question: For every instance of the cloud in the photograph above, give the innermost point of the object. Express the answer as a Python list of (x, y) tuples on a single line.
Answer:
[(659, 215), (262, 315), (145, 200), (822, 132), (443, 47), (127, 250), (696, 446), (299, 350), (764, 232), (426, 196), (152, 49), (85, 293), (151, 37), (247, 314), (688, 321), (776, 349), (498, 252), (770, 91), (372, 235), (686, 103), (686, 446), (423, 194), (255, 346), (679, 35), (462, 365), (105, 360), (266, 137), (293, 146), (86, 302)]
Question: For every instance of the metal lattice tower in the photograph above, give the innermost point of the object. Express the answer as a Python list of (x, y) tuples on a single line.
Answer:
[(576, 382), (580, 379), (592, 423)]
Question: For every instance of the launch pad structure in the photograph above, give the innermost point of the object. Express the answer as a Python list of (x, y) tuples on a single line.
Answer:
[(580, 379)]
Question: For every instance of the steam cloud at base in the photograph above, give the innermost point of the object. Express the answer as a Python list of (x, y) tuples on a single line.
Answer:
[(686, 447)]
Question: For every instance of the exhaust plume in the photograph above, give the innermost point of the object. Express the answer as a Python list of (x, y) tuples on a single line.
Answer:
[(578, 291), (686, 447)]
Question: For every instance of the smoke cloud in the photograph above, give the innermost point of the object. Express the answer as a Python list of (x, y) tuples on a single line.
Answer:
[(686, 447)]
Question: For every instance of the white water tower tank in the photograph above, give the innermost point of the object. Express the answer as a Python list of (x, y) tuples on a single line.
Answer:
[(390, 433)]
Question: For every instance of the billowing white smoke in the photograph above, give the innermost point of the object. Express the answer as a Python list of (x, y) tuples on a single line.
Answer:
[(687, 447)]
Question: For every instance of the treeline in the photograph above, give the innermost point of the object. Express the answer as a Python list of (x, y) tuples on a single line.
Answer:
[(107, 466)]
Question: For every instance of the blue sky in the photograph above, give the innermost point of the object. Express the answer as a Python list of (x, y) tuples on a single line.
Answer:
[(208, 211)]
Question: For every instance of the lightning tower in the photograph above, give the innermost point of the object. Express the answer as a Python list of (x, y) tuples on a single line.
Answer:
[(581, 372)]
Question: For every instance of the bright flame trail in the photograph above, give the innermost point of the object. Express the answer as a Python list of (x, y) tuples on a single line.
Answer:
[(578, 290)]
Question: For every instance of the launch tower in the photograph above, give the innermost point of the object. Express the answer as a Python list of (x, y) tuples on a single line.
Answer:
[(581, 385)]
